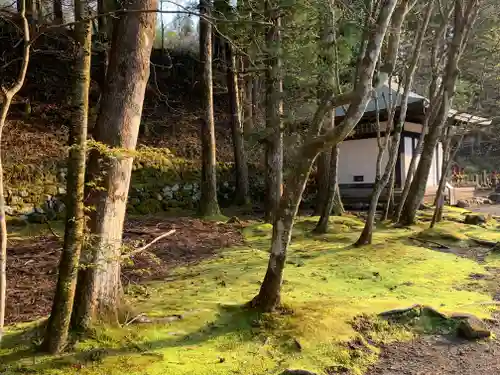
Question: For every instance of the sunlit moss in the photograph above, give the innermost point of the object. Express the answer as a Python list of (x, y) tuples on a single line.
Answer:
[(327, 283)]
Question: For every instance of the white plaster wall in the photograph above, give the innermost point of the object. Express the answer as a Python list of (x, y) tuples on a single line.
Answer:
[(358, 158)]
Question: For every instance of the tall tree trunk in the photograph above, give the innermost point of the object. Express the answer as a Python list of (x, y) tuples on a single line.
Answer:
[(465, 14), (240, 157), (274, 112), (409, 175), (323, 181), (99, 287), (270, 291), (389, 206), (248, 118), (209, 205), (6, 95), (58, 12), (62, 306), (333, 196)]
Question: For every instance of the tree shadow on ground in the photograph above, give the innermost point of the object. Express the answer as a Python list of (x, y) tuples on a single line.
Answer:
[(231, 320)]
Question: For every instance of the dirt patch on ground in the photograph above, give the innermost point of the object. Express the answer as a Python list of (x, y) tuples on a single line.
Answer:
[(440, 355), (32, 264)]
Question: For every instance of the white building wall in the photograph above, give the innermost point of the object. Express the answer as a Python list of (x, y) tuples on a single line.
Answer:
[(358, 157)]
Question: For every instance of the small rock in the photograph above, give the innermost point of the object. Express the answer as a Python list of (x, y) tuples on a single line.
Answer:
[(16, 200), (175, 187), (24, 193), (433, 313), (159, 197), (475, 219), (9, 210), (472, 328), (61, 190), (462, 204)]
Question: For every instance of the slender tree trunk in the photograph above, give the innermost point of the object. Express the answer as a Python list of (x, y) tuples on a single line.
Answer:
[(448, 157), (333, 196), (255, 100), (99, 287), (464, 18), (247, 97), (209, 205), (323, 181), (389, 206), (58, 12), (274, 113), (240, 157), (6, 95), (62, 306), (270, 291)]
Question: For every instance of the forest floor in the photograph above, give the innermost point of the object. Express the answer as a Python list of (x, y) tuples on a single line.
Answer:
[(189, 289)]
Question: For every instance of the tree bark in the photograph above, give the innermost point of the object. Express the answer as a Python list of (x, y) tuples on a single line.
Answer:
[(465, 14), (6, 95), (323, 181), (209, 205), (389, 206), (240, 157), (333, 196), (62, 306), (270, 291), (248, 118), (448, 157), (117, 127), (274, 112)]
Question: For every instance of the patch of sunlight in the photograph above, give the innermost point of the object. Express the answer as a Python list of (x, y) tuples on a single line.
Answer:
[(327, 283)]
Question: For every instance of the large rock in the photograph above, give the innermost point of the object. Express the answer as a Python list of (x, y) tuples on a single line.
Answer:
[(475, 219), (472, 328)]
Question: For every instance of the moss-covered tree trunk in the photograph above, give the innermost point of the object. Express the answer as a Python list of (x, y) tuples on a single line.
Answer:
[(6, 95), (209, 205), (117, 127), (274, 111), (62, 306)]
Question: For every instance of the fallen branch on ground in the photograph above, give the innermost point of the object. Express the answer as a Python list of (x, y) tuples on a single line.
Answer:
[(169, 233)]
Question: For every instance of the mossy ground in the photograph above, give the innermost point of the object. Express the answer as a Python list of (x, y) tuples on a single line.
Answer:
[(327, 284)]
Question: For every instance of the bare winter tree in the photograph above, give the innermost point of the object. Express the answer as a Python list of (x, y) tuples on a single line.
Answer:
[(117, 126), (270, 291), (7, 93), (464, 16), (62, 305)]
